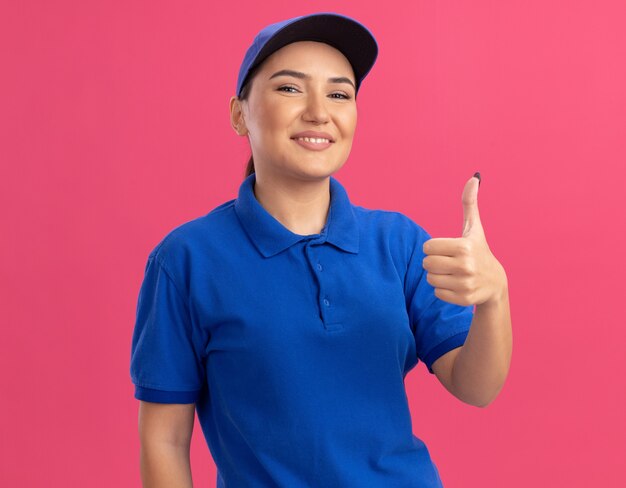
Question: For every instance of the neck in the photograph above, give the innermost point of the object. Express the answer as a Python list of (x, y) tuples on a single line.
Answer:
[(300, 205)]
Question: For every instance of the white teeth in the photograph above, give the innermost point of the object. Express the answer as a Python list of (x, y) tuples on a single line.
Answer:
[(312, 139)]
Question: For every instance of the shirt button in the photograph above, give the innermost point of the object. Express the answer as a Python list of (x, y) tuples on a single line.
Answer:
[(326, 302), (319, 266)]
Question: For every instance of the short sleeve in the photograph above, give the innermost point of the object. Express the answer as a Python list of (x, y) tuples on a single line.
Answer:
[(438, 326), (166, 356)]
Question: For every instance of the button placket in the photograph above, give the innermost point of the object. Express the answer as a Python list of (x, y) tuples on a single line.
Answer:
[(322, 299)]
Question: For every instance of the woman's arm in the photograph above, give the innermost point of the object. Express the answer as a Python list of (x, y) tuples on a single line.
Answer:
[(165, 434), (475, 373), (464, 271)]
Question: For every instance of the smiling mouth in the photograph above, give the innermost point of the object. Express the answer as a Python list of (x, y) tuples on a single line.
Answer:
[(313, 140), (313, 143)]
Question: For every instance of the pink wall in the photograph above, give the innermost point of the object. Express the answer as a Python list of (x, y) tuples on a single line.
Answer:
[(114, 129)]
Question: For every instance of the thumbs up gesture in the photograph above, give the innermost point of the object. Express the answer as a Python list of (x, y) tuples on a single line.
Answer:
[(462, 269)]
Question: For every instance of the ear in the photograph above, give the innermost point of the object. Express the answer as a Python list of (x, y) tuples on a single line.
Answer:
[(236, 117)]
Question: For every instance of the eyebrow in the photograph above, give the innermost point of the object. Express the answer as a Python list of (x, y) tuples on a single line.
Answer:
[(304, 76)]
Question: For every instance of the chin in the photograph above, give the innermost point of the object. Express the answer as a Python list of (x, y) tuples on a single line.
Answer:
[(322, 171)]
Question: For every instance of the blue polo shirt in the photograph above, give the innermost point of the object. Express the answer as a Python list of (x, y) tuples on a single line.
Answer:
[(294, 348)]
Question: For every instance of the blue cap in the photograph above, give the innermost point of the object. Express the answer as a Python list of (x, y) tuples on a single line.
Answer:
[(352, 38)]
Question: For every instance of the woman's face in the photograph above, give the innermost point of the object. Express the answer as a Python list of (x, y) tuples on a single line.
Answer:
[(317, 96)]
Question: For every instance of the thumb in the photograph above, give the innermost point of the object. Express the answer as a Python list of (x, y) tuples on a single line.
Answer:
[(471, 217)]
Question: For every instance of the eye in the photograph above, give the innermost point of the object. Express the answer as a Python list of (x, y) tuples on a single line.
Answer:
[(287, 87), (343, 96)]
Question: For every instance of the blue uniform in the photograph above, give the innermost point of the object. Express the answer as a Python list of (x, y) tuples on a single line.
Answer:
[(295, 347)]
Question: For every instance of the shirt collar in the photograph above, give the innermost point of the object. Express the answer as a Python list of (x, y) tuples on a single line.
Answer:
[(271, 237)]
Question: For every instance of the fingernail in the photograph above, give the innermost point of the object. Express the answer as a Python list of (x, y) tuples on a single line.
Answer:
[(477, 175)]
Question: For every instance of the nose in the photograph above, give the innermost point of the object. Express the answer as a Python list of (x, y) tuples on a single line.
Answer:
[(316, 109)]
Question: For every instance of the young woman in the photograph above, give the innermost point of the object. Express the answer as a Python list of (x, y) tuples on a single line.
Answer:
[(289, 317)]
